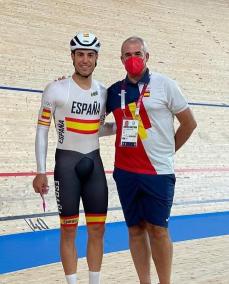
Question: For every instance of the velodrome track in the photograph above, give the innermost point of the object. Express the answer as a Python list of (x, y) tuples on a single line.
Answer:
[(189, 42)]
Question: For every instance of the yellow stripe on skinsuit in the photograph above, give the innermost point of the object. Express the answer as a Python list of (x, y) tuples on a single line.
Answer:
[(99, 219), (82, 126)]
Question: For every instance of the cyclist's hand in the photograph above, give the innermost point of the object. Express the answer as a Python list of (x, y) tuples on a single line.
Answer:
[(40, 184)]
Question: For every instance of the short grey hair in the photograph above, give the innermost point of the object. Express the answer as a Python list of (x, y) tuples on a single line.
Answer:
[(136, 39)]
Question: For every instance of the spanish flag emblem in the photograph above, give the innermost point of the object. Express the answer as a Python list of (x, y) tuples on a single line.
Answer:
[(46, 114), (45, 117), (83, 126), (147, 93)]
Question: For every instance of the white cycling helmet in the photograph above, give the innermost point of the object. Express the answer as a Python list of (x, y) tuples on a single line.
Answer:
[(85, 41)]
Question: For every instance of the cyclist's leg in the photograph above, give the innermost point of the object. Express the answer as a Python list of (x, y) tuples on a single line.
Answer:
[(95, 201), (67, 190)]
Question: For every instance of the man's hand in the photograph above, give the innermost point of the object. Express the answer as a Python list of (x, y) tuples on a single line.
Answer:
[(102, 119), (60, 78), (107, 129), (40, 184)]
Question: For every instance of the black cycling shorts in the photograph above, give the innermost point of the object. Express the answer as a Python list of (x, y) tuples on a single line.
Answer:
[(76, 176)]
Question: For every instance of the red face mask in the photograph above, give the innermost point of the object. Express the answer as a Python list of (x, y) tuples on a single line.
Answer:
[(134, 66)]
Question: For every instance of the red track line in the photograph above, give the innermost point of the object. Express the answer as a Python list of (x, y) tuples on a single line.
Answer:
[(187, 170)]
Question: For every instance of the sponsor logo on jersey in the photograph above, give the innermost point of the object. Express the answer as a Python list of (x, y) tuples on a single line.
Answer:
[(94, 94), (47, 104), (57, 192), (69, 220)]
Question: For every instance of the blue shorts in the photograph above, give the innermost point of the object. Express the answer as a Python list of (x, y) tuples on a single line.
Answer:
[(145, 197)]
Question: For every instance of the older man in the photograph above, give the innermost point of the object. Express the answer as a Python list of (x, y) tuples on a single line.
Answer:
[(144, 105)]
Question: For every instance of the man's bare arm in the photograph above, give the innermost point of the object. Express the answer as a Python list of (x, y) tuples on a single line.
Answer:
[(184, 131)]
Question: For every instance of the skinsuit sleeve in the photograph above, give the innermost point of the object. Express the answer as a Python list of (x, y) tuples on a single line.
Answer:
[(46, 112)]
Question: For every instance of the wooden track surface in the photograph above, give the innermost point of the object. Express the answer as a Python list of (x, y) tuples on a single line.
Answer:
[(187, 40)]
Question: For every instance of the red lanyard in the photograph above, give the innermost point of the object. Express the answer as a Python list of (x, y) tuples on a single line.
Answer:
[(140, 99), (123, 92)]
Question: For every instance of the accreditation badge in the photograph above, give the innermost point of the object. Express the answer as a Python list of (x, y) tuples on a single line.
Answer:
[(129, 135)]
